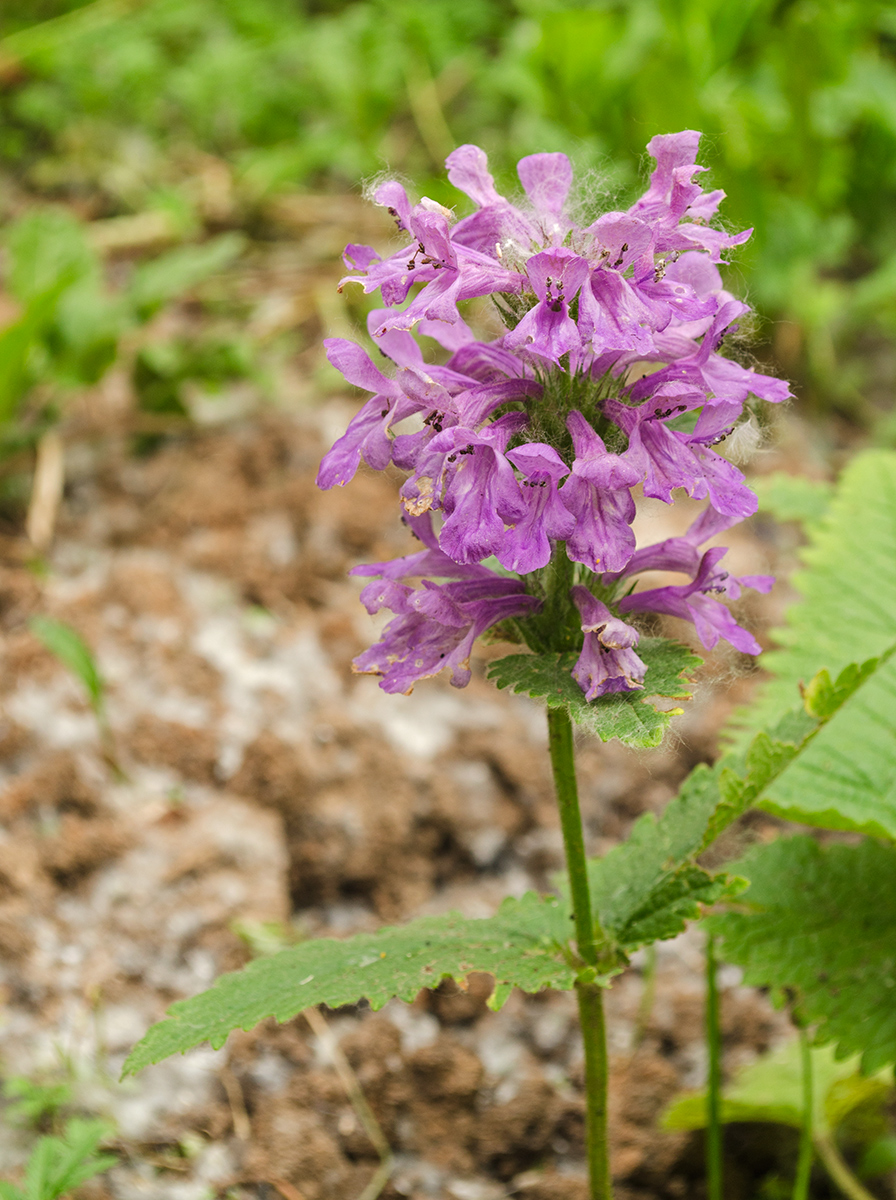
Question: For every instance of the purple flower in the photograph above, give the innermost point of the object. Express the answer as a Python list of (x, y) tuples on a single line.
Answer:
[(720, 379), (584, 306), (431, 562), (597, 494), (436, 626), (547, 330), (694, 601), (526, 546), (608, 662), (481, 493), (367, 433), (673, 194), (667, 458)]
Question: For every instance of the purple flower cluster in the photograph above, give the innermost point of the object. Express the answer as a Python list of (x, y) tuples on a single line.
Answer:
[(607, 376)]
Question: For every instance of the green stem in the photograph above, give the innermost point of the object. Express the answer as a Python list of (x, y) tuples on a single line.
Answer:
[(588, 934), (804, 1162), (839, 1172), (564, 768), (714, 1089), (594, 1037)]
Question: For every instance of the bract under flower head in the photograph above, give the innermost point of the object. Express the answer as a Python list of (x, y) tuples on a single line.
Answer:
[(531, 444)]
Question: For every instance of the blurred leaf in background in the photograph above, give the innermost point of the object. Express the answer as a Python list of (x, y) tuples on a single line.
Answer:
[(211, 106)]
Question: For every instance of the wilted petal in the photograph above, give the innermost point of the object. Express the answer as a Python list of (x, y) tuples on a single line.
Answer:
[(608, 662), (436, 628)]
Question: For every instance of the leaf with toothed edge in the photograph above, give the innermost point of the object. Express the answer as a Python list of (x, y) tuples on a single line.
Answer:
[(522, 945), (632, 717), (821, 922)]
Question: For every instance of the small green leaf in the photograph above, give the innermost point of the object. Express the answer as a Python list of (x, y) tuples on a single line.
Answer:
[(522, 946), (59, 1164), (821, 921), (822, 696), (17, 342), (879, 1158), (792, 497), (71, 650), (628, 716)]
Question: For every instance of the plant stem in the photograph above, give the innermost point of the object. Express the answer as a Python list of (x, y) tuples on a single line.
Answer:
[(564, 768), (594, 1037), (838, 1170), (714, 1088), (804, 1162), (588, 934)]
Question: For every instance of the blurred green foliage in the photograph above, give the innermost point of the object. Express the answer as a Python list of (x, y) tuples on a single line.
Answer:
[(72, 324), (121, 99)]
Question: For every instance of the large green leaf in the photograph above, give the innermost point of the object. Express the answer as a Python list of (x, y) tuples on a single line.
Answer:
[(522, 946), (650, 886), (789, 497), (822, 922), (847, 778), (630, 716), (848, 587)]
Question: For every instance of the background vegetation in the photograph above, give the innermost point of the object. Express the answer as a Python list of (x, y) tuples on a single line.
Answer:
[(201, 111)]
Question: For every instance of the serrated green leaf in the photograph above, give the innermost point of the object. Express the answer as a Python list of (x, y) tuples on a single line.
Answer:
[(847, 612), (522, 946), (649, 887), (71, 650), (771, 1089), (822, 922), (59, 1164), (846, 778), (628, 716), (789, 497), (822, 697), (672, 903)]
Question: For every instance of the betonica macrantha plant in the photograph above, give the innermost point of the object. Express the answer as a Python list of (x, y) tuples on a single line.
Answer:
[(523, 454)]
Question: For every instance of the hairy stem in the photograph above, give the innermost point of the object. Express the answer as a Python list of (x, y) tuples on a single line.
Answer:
[(804, 1162), (588, 934), (594, 1036), (564, 768), (714, 1088)]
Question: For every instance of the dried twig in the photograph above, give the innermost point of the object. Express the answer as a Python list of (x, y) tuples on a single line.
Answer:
[(241, 1124), (363, 1111), (285, 1188), (46, 491)]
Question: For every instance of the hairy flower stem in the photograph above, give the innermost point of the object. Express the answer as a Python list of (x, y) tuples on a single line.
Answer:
[(714, 1089), (588, 934)]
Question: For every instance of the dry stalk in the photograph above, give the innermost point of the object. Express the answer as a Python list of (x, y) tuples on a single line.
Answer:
[(46, 490), (363, 1111)]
